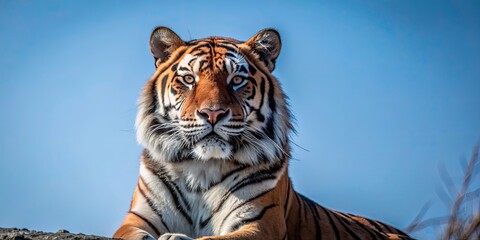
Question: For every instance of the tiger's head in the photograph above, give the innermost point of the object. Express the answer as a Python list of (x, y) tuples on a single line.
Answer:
[(214, 99)]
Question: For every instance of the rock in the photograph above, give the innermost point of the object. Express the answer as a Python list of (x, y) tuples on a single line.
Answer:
[(25, 234)]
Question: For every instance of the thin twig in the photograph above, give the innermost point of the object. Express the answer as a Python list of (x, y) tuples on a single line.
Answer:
[(455, 227), (463, 222), (417, 220)]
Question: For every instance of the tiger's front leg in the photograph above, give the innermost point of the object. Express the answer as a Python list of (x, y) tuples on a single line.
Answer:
[(252, 231), (174, 236), (269, 225), (133, 232)]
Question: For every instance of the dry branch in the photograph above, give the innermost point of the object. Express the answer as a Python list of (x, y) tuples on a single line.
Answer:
[(460, 224)]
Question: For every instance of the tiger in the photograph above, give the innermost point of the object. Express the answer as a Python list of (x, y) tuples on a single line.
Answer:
[(215, 124)]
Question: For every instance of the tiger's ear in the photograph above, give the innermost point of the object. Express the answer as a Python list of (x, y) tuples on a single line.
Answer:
[(163, 42), (266, 44)]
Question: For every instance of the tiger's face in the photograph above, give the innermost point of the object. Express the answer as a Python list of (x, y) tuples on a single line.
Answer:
[(214, 99), (210, 96)]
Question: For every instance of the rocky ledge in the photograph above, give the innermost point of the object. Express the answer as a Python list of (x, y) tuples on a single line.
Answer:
[(25, 234)]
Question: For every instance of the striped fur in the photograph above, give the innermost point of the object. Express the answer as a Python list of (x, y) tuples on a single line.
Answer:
[(214, 123)]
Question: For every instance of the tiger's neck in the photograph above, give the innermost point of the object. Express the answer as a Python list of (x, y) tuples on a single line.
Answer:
[(199, 176)]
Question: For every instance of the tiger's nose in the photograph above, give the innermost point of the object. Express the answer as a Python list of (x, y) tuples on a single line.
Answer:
[(213, 115)]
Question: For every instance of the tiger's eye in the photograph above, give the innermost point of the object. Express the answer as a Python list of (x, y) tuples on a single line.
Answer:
[(237, 80), (188, 79)]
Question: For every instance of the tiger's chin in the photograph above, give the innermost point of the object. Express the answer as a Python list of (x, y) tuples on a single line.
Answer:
[(212, 147)]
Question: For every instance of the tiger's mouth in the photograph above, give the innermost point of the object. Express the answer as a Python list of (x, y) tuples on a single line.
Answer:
[(212, 134), (212, 146)]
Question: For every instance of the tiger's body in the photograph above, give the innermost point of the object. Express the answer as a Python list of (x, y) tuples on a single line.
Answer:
[(214, 123)]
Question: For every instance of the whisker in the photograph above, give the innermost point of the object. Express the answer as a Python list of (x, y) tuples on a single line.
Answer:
[(265, 136)]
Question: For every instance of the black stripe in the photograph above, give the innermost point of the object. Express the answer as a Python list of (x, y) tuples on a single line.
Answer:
[(305, 214), (259, 176), (154, 104), (233, 126), (212, 52), (375, 225), (151, 205), (229, 42), (221, 64), (267, 75), (239, 186), (227, 175), (256, 177), (162, 89), (249, 220), (193, 42), (180, 54), (269, 128), (332, 223), (260, 116), (232, 66), (179, 104), (167, 181), (300, 217), (367, 228), (287, 200), (392, 229), (313, 210), (160, 173), (174, 195), (386, 227), (191, 61), (271, 96), (204, 223), (241, 205), (182, 197), (257, 135), (148, 222), (347, 229), (402, 233), (229, 48), (244, 109), (252, 69), (205, 45), (201, 53), (173, 91), (272, 105), (229, 54), (236, 170), (242, 69), (183, 69), (203, 65), (252, 80), (155, 125), (373, 233)]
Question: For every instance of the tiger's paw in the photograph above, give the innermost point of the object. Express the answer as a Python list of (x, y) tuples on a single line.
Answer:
[(174, 236)]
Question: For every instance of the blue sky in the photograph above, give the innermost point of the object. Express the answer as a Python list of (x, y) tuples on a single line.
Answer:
[(384, 92)]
